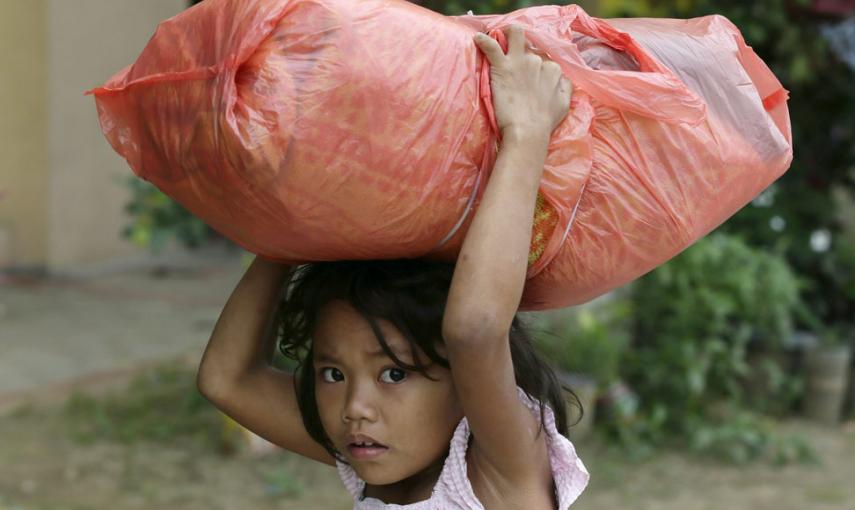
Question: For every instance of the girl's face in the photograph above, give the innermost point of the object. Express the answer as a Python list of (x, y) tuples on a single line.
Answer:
[(359, 391)]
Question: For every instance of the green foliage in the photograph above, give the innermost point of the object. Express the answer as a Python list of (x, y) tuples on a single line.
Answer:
[(698, 312), (162, 405), (156, 218), (589, 342), (720, 287), (834, 280), (458, 7), (745, 437), (771, 388), (695, 317), (835, 335)]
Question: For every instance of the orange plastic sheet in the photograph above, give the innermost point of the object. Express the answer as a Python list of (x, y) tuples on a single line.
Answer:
[(308, 130)]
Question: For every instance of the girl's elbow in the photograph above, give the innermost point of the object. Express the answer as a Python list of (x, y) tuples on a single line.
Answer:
[(472, 327)]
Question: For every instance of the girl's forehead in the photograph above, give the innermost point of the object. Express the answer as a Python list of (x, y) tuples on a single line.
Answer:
[(341, 328)]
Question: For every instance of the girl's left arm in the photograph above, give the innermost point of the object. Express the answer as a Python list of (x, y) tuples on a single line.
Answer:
[(530, 98)]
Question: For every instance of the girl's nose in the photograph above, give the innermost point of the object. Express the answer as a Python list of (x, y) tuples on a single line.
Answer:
[(359, 404)]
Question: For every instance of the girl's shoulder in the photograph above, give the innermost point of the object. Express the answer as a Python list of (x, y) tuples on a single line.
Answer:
[(569, 474)]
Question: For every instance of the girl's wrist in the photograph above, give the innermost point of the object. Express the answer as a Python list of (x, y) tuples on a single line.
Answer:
[(536, 140), (530, 149)]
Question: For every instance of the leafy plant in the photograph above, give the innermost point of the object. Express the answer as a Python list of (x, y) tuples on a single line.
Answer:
[(772, 388), (833, 336), (458, 7), (836, 277), (694, 319), (588, 341), (156, 218)]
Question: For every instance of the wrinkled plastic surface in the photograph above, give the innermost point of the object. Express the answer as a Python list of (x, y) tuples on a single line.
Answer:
[(309, 130)]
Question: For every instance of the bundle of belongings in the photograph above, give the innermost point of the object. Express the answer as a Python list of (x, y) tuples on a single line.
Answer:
[(312, 130)]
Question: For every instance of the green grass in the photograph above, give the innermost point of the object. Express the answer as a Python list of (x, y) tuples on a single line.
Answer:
[(161, 405), (279, 481)]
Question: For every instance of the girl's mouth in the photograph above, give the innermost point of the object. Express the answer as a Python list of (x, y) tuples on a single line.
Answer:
[(366, 452)]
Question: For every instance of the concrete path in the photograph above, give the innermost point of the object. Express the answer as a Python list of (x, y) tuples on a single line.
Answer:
[(62, 333)]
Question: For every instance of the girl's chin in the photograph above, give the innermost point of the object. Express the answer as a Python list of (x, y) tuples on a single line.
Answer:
[(381, 475), (375, 473)]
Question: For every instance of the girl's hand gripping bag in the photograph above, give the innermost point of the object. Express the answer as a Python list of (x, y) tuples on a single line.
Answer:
[(309, 130)]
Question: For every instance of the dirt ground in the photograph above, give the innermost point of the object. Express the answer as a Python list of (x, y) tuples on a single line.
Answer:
[(45, 465), (84, 330)]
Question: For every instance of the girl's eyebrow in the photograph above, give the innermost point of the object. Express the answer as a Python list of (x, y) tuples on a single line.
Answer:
[(325, 358), (380, 353)]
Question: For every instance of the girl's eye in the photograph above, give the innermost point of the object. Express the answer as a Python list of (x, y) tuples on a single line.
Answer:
[(396, 375), (332, 371)]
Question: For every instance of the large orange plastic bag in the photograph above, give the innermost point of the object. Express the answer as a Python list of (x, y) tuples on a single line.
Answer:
[(341, 129)]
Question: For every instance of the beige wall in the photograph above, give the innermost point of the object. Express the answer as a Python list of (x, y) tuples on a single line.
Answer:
[(88, 41), (62, 203), (23, 132)]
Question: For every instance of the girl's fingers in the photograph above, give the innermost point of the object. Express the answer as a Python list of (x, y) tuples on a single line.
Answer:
[(552, 69), (490, 47), (516, 40), (566, 88)]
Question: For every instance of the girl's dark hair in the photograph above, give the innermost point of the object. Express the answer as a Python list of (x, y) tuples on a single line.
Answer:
[(411, 295)]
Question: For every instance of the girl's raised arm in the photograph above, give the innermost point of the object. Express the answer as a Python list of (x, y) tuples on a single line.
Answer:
[(235, 372), (530, 98)]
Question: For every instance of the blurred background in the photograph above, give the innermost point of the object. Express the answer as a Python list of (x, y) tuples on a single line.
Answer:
[(722, 379)]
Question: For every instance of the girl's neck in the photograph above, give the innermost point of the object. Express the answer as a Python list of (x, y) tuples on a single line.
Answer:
[(418, 487)]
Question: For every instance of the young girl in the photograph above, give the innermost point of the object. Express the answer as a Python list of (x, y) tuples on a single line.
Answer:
[(415, 378)]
